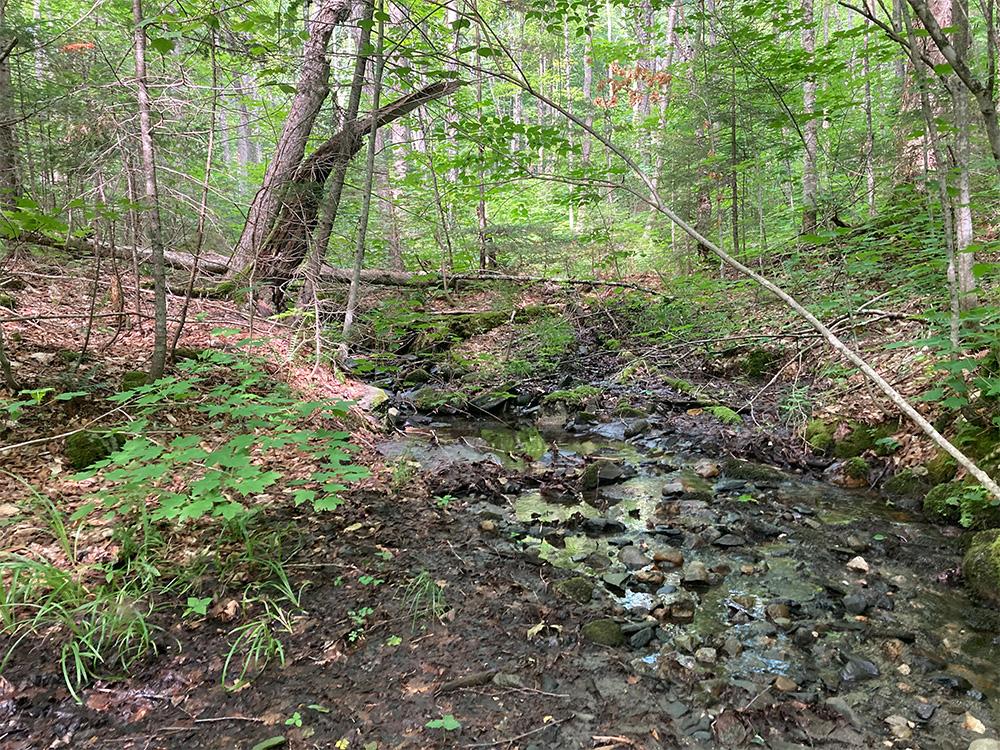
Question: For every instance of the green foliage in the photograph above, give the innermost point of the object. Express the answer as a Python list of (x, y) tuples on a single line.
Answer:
[(724, 414), (447, 722), (424, 599), (577, 396), (197, 474)]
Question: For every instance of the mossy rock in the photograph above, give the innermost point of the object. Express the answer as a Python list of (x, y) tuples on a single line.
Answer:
[(86, 448), (819, 435), (577, 396), (981, 566), (429, 398), (860, 439), (416, 377), (941, 503), (856, 468), (759, 362), (737, 469), (906, 483), (578, 588), (134, 379), (604, 632), (724, 414), (942, 468)]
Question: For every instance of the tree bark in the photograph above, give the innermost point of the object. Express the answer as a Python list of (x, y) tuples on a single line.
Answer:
[(10, 181), (965, 259), (810, 130), (288, 243), (154, 234), (310, 93)]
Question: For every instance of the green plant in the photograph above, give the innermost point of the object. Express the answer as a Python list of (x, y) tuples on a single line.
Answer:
[(442, 501), (255, 645), (447, 722), (295, 720), (358, 618), (197, 606), (424, 598)]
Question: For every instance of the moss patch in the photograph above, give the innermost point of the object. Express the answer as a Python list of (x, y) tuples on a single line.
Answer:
[(981, 566), (819, 435), (905, 483), (134, 379), (856, 468), (604, 632), (577, 588), (942, 504), (724, 414), (759, 362), (942, 468), (577, 396), (737, 469), (858, 440), (86, 448)]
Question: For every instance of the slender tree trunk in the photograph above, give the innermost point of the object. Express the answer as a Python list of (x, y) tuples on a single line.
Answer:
[(810, 131), (366, 196), (588, 94), (963, 206), (869, 121), (310, 93), (153, 229), (10, 181)]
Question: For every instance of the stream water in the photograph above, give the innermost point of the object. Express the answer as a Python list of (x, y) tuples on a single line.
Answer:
[(771, 582)]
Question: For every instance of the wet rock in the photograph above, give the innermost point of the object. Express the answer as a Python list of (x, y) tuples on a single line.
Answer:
[(785, 684), (604, 632), (730, 485), (706, 655), (601, 526), (855, 604), (732, 646), (577, 588), (706, 469), (604, 472), (633, 557), (984, 744), (641, 638), (858, 669), (730, 540), (673, 489), (858, 564), (696, 574), (636, 427), (736, 469), (651, 577), (925, 711), (952, 682), (777, 611), (973, 724), (900, 726), (669, 556), (841, 706)]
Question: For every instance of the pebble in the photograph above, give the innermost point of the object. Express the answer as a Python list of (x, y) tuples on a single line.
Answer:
[(925, 711), (858, 669), (641, 639), (487, 526), (858, 564), (730, 540), (900, 726), (633, 557), (785, 684), (672, 556), (706, 469), (974, 725), (672, 489), (695, 572), (706, 655), (855, 604)]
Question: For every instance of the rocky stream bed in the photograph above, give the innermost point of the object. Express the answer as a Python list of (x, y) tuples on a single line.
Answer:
[(730, 589)]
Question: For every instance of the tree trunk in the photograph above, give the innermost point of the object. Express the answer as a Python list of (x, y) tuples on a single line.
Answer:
[(288, 242), (10, 181), (965, 259), (310, 93), (810, 131), (869, 121), (153, 230)]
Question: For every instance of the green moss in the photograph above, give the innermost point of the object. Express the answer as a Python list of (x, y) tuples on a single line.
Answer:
[(680, 385), (942, 503), (856, 468), (981, 566), (604, 632), (134, 379), (624, 409), (8, 301), (577, 396), (736, 469), (759, 362), (942, 468), (860, 439), (577, 588), (905, 483), (724, 414), (415, 377), (86, 448), (819, 435)]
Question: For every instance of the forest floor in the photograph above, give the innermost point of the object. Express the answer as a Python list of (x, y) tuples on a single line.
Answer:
[(560, 546)]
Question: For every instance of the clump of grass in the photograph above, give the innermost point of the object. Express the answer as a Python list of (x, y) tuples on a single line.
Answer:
[(424, 599)]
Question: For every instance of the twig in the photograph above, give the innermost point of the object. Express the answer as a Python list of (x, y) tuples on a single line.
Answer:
[(510, 740)]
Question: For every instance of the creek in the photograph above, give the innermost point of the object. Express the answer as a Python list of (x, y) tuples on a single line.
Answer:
[(724, 575)]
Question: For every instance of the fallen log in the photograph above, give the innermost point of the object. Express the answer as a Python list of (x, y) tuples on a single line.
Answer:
[(213, 264)]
